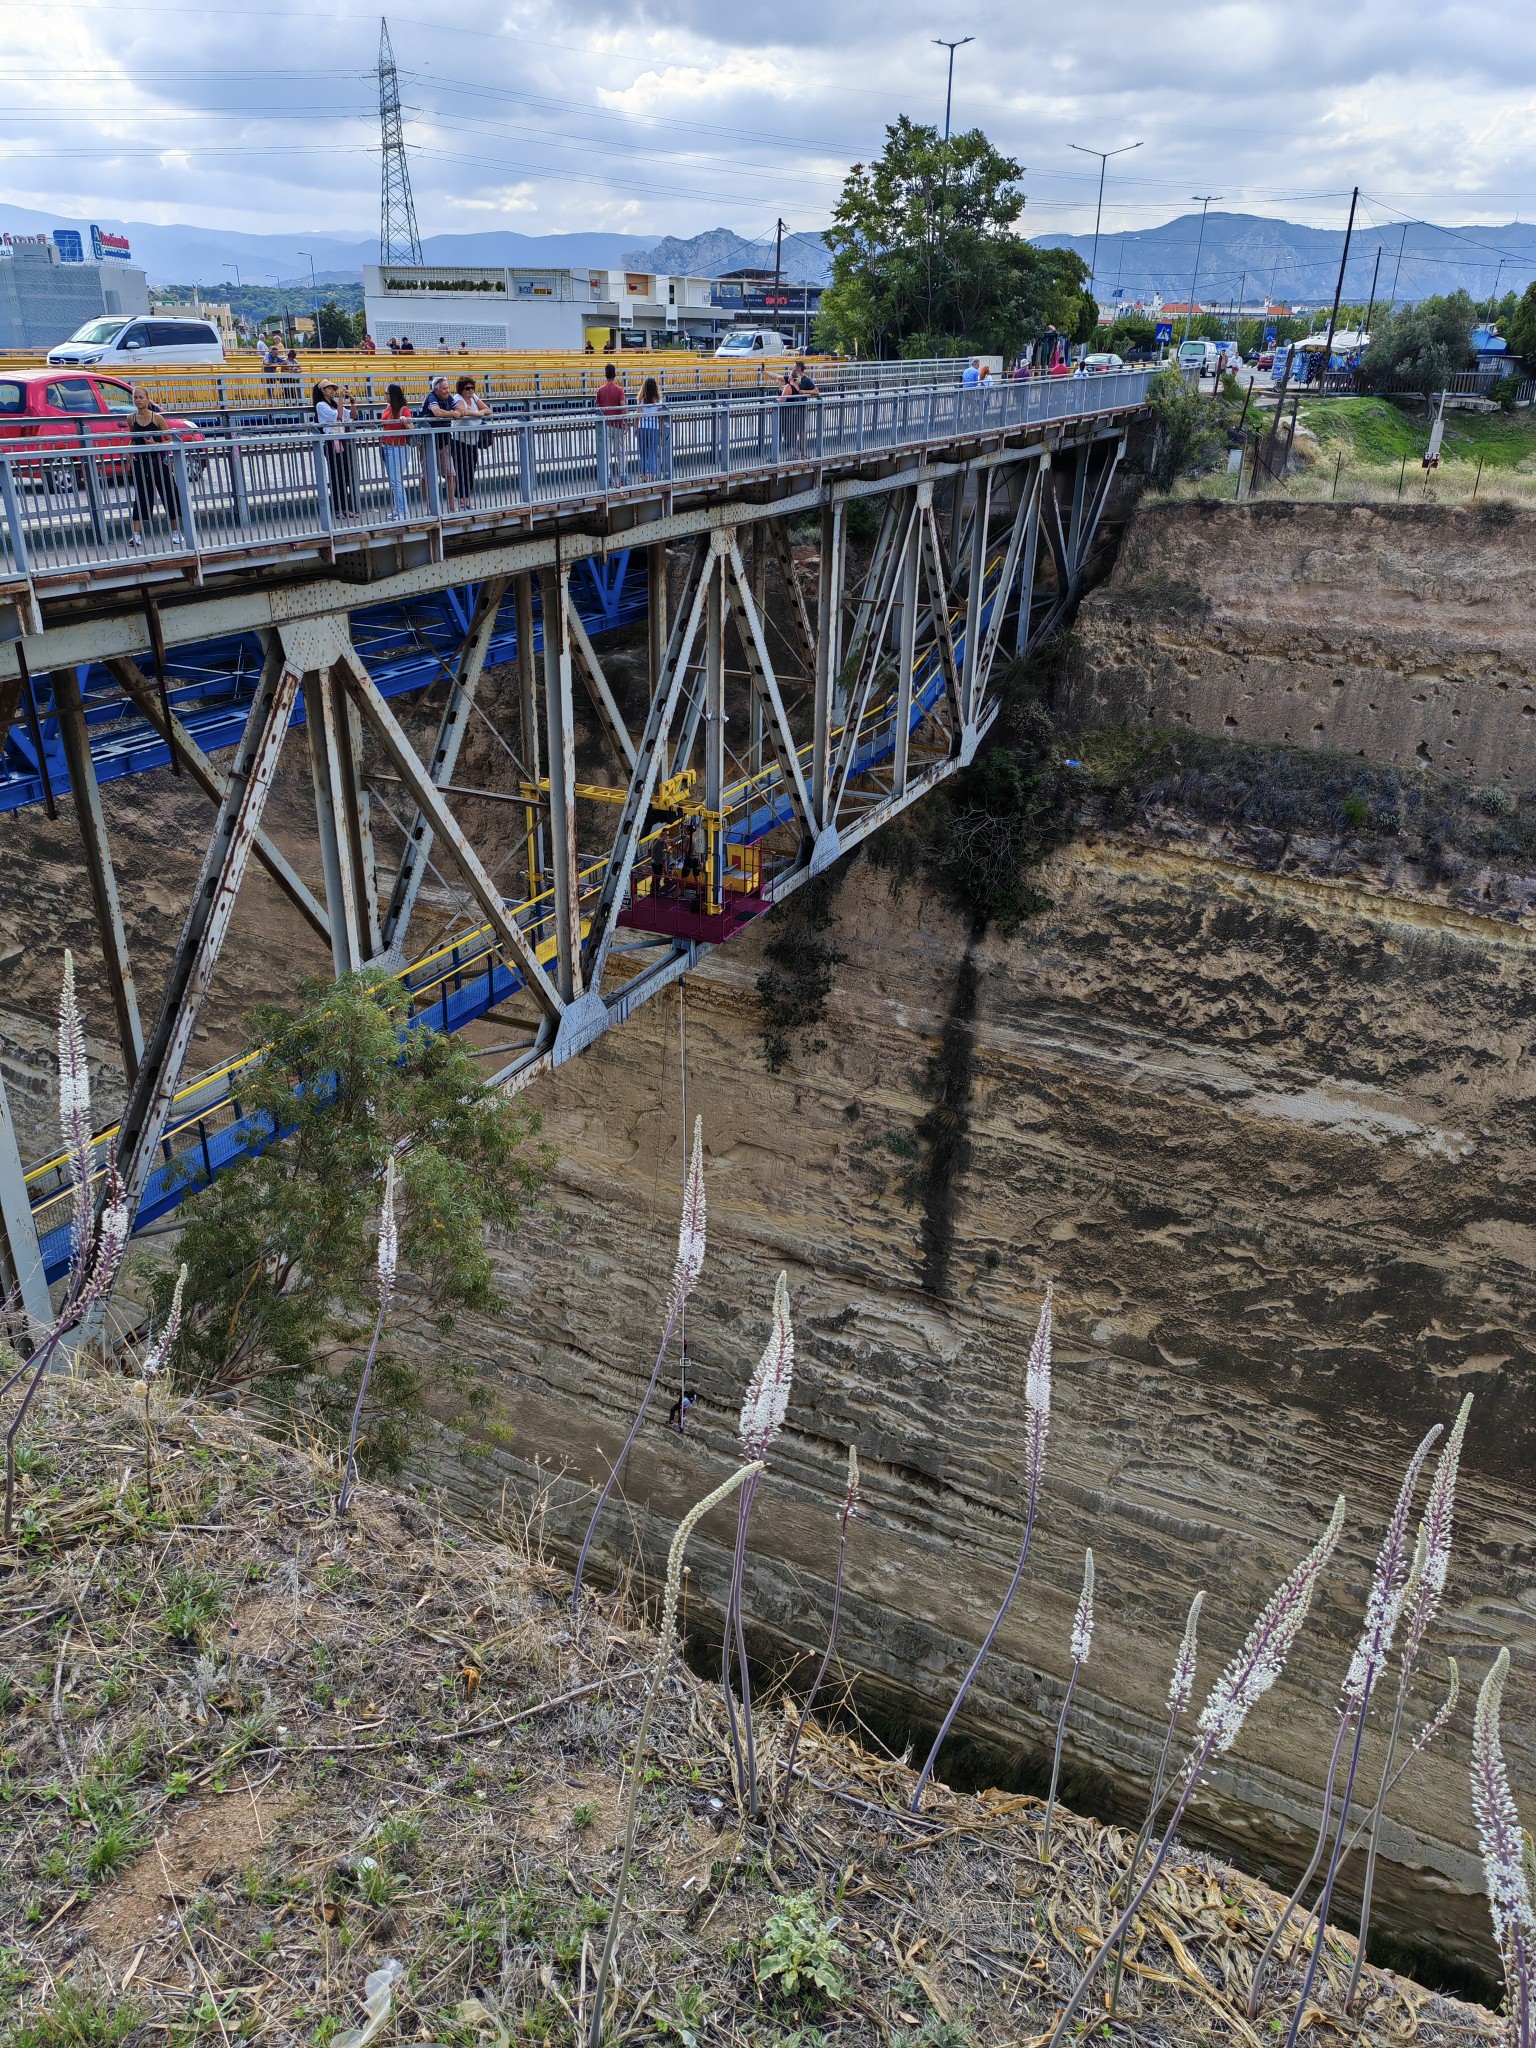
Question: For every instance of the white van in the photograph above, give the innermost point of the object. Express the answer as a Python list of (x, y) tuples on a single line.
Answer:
[(752, 341), (1201, 356), (148, 339)]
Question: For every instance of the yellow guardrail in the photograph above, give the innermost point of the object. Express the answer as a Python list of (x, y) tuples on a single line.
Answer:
[(240, 384)]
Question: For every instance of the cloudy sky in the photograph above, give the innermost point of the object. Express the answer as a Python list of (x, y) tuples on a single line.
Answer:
[(668, 116)]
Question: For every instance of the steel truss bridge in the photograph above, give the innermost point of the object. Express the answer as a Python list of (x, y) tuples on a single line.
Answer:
[(290, 582)]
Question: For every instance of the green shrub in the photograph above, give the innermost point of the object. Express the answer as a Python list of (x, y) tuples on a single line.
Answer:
[(77, 2019), (799, 1951)]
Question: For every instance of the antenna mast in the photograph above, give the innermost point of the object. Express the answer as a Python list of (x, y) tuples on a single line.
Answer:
[(399, 242)]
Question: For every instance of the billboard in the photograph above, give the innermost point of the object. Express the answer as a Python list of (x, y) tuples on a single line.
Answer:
[(107, 247), (69, 245)]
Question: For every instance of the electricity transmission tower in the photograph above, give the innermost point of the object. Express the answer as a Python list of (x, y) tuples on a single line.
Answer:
[(398, 239)]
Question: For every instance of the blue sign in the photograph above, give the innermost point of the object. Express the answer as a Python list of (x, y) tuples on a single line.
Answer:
[(1163, 332), (1269, 337), (69, 245)]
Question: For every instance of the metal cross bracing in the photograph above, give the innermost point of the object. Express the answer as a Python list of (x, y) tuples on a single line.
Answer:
[(774, 739), (210, 686)]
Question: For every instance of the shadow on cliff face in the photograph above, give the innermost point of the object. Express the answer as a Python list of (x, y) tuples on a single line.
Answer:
[(945, 1131)]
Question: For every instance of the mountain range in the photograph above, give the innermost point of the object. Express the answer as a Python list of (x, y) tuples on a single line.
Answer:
[(1292, 263), (177, 254), (1296, 265), (803, 259)]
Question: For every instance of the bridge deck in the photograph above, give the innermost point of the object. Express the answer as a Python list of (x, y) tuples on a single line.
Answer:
[(239, 502)]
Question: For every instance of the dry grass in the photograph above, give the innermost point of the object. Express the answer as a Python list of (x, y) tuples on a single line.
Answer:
[(249, 1754)]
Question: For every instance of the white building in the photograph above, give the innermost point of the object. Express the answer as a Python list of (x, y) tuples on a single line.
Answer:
[(47, 291), (486, 307)]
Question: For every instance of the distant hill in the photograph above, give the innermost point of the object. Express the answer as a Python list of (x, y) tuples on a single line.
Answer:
[(804, 259), (1300, 265), (207, 256)]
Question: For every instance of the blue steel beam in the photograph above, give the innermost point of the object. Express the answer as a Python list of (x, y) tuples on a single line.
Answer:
[(406, 647)]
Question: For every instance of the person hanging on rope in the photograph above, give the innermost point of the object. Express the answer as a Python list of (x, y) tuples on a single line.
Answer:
[(681, 1408)]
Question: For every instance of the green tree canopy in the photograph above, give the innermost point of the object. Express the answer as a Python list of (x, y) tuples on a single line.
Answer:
[(1423, 345), (1519, 328), (281, 1248), (926, 259)]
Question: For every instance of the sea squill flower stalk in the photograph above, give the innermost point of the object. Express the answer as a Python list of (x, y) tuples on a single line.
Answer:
[(1037, 1422), (1082, 1643), (664, 1647), (1239, 1689), (762, 1417), (1181, 1690), (850, 1503), (1503, 1846), (100, 1239), (1383, 1606), (686, 1268), (389, 1258), (149, 1371), (1420, 1606)]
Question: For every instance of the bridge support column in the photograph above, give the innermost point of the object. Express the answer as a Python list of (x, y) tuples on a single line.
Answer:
[(655, 614), (560, 715), (528, 707), (342, 821), (98, 867), (975, 597), (829, 635), (1023, 632), (907, 648), (714, 719), (759, 602), (211, 782), (412, 870), (213, 903)]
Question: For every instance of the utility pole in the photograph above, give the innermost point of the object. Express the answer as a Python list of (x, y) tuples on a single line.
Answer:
[(940, 44), (1338, 290), (1103, 156), (1290, 354), (778, 253), (1205, 199), (1365, 326), (1402, 243)]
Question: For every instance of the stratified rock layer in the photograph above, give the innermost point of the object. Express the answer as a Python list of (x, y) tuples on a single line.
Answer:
[(1269, 1136), (1403, 634)]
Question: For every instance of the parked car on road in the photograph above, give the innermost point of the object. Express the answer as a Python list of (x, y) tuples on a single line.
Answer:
[(54, 412), (117, 344), (1097, 365)]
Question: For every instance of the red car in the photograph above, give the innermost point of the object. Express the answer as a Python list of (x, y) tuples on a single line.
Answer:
[(55, 410)]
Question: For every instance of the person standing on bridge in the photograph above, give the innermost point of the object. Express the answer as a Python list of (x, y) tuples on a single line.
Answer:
[(612, 403), (333, 414), (650, 429), (149, 468), (971, 374), (468, 434), (438, 412), (395, 434)]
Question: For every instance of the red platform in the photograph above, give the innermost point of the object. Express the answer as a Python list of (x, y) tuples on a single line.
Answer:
[(676, 917)]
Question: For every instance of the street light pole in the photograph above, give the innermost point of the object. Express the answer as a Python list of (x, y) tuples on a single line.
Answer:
[(940, 44), (1205, 199), (314, 291), (1103, 156)]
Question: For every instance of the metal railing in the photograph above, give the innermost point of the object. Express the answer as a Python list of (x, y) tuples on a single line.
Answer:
[(98, 505)]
